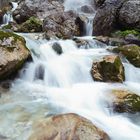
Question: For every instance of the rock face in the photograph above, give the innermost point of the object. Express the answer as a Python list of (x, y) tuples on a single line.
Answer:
[(13, 53), (61, 25), (37, 8), (67, 127), (110, 69), (56, 22), (116, 14), (125, 101), (98, 3), (131, 52), (129, 15)]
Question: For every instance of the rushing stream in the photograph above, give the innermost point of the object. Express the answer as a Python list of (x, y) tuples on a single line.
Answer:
[(54, 84)]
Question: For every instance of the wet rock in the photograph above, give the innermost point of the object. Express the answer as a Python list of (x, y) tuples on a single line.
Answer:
[(57, 48), (39, 72), (87, 9), (110, 69), (36, 8), (13, 53), (125, 101), (62, 25), (112, 41), (67, 127), (131, 52)]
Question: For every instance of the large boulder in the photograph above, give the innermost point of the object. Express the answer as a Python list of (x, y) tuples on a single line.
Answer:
[(110, 69), (131, 52), (62, 25), (67, 127), (13, 53), (105, 19), (125, 101), (116, 14), (37, 8), (129, 14)]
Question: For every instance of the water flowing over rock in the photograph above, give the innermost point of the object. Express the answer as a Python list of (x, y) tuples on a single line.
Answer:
[(67, 126), (110, 69), (13, 53)]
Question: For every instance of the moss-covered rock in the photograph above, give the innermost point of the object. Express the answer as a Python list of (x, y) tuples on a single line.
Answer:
[(123, 34), (13, 53), (125, 101), (131, 52), (110, 69), (31, 25), (66, 127)]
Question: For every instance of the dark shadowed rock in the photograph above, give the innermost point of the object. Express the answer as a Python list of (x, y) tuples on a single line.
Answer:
[(57, 48), (110, 69)]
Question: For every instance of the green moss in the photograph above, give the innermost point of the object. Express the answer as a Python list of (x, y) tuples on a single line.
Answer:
[(132, 53), (7, 26), (126, 32), (31, 25), (4, 34)]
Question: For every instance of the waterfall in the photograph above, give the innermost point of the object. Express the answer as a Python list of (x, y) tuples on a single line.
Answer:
[(55, 83), (8, 15)]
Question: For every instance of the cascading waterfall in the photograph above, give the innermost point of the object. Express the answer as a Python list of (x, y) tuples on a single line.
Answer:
[(8, 15), (61, 83)]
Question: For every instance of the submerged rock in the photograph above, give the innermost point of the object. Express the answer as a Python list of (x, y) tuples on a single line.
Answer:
[(131, 52), (13, 53), (110, 69), (125, 101), (57, 48), (67, 127)]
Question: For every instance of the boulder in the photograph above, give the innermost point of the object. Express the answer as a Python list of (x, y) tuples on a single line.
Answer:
[(116, 14), (67, 127), (36, 8), (125, 101), (13, 53), (62, 25), (110, 69), (131, 52), (105, 19), (129, 14)]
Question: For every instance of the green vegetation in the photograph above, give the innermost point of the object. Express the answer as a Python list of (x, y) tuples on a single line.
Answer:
[(126, 32)]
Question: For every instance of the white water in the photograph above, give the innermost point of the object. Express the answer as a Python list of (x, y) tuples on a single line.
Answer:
[(54, 84), (8, 16)]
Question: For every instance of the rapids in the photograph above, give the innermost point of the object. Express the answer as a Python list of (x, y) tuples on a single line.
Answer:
[(54, 84)]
